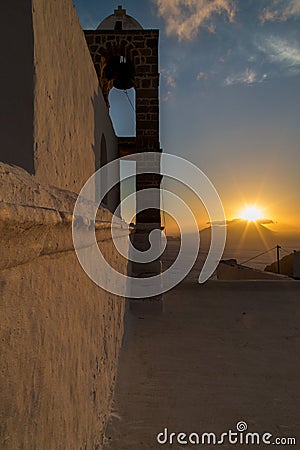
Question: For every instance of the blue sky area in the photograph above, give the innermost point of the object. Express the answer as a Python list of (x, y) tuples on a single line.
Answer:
[(229, 93)]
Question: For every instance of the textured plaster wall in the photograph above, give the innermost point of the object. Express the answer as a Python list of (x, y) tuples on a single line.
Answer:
[(60, 333), (52, 110), (70, 114), (60, 341)]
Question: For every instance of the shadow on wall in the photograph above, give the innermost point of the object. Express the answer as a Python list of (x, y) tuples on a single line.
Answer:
[(99, 147), (105, 149), (97, 137), (17, 84)]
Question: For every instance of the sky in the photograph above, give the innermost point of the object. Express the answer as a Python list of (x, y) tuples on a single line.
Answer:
[(229, 94)]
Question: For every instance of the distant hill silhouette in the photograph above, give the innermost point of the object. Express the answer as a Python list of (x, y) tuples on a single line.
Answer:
[(250, 243), (244, 234)]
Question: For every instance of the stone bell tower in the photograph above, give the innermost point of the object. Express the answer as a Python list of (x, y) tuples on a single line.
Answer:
[(125, 56)]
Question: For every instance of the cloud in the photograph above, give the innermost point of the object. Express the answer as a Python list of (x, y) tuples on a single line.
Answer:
[(170, 80), (280, 10), (265, 221), (248, 76), (202, 76), (167, 96), (184, 18), (279, 50), (169, 75), (230, 221)]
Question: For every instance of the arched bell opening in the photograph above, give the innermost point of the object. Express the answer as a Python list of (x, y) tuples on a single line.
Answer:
[(120, 70), (122, 111)]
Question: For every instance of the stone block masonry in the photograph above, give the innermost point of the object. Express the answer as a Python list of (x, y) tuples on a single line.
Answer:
[(140, 47)]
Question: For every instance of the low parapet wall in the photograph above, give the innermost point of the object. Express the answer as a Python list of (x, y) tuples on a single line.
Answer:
[(60, 333)]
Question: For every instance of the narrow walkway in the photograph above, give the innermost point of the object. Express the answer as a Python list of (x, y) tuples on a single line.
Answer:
[(220, 353)]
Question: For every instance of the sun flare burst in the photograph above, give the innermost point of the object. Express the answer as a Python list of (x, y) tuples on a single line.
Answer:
[(251, 213)]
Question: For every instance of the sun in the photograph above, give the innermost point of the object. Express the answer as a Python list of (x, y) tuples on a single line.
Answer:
[(251, 213)]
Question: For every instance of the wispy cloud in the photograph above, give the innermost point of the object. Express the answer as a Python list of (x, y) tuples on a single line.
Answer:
[(281, 51), (248, 77), (202, 76), (167, 96), (184, 18), (170, 81), (169, 75), (280, 10)]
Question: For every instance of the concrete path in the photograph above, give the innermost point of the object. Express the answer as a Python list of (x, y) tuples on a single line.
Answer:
[(221, 353)]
